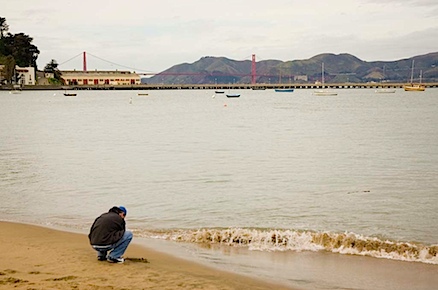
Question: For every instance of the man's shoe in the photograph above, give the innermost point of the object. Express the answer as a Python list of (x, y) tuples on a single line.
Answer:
[(116, 260), (101, 258)]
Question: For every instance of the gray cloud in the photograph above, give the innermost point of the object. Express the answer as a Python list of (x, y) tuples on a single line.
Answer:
[(154, 37)]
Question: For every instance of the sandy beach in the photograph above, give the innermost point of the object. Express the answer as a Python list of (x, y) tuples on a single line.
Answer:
[(36, 257)]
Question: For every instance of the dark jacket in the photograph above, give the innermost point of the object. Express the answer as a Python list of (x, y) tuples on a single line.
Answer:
[(107, 229)]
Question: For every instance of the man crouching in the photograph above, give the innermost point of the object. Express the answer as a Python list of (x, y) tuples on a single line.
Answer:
[(108, 235)]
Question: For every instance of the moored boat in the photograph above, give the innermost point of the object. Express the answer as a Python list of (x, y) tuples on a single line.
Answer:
[(66, 93), (412, 87), (323, 91), (284, 90), (385, 91)]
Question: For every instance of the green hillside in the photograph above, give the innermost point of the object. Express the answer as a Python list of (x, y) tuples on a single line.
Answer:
[(338, 68)]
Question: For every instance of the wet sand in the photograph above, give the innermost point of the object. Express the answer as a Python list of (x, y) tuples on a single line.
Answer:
[(36, 257)]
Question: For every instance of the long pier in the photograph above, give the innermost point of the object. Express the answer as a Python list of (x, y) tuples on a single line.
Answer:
[(221, 86)]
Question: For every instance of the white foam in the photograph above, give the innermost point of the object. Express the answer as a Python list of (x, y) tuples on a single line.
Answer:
[(290, 240)]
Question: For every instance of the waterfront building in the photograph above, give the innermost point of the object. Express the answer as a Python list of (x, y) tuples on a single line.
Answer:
[(100, 78), (25, 76), (303, 78)]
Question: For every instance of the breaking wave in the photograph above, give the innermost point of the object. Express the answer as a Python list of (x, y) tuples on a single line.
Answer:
[(290, 240)]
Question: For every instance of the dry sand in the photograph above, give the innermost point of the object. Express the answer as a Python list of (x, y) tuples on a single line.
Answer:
[(35, 257)]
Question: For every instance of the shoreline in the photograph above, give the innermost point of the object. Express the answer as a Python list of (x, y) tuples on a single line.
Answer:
[(196, 87), (36, 257)]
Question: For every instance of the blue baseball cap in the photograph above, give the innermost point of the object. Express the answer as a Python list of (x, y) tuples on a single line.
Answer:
[(122, 208)]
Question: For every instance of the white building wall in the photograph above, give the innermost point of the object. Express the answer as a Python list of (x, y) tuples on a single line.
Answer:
[(301, 78), (100, 78), (27, 75)]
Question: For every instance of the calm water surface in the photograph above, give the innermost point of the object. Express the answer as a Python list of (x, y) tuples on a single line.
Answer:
[(280, 173)]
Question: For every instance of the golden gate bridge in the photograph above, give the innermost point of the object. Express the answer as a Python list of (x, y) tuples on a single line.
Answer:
[(252, 74)]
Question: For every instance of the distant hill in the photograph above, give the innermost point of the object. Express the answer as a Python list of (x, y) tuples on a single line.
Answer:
[(338, 68)]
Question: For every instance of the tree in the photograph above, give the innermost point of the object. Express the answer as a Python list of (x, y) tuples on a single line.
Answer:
[(21, 48), (15, 49), (3, 26), (52, 67), (9, 68)]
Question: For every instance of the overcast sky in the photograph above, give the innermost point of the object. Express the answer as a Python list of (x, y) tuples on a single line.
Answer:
[(151, 36)]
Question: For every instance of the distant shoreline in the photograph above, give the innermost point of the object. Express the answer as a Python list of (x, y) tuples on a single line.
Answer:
[(217, 86)]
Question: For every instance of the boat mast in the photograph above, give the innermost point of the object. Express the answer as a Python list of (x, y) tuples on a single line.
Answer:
[(412, 72), (322, 73)]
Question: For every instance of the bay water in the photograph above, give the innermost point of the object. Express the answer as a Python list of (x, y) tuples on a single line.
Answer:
[(312, 192)]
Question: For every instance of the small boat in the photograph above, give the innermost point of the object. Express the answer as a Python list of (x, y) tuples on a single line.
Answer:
[(414, 87), (284, 90), (219, 92), (233, 95), (324, 92), (68, 94), (385, 91), (142, 94), (16, 89)]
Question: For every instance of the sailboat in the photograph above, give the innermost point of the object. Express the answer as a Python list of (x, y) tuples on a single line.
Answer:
[(414, 87), (232, 95), (324, 92), (16, 88), (384, 90), (283, 90), (15, 91), (69, 94)]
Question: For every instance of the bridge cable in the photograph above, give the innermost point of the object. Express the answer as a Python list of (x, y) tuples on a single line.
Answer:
[(70, 59), (120, 65)]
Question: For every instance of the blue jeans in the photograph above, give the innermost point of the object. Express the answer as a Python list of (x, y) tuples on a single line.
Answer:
[(116, 250)]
